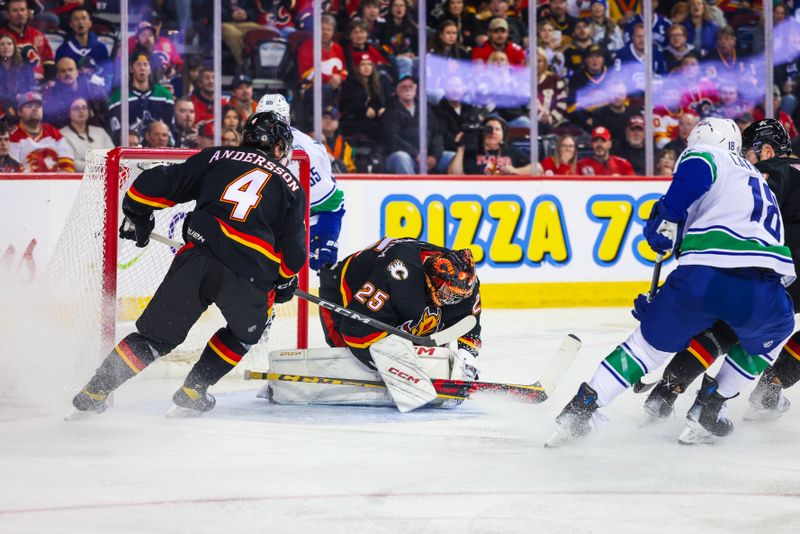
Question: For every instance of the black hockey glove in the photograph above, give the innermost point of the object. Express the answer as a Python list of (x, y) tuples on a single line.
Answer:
[(284, 291), (139, 232)]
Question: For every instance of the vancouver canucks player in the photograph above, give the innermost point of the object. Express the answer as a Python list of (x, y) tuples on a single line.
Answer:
[(325, 197), (765, 144), (732, 268)]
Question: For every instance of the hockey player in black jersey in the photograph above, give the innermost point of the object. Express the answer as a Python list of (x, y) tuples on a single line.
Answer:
[(766, 145), (416, 286), (245, 240)]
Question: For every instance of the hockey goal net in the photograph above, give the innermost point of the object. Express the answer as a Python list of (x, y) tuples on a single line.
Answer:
[(102, 283)]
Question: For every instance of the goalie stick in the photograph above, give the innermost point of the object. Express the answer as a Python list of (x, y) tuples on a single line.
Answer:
[(535, 393), (434, 340)]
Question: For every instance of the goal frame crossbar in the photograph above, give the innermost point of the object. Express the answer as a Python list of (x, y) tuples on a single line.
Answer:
[(114, 159)]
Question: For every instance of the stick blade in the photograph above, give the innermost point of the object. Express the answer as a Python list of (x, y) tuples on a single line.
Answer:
[(559, 364), (454, 332)]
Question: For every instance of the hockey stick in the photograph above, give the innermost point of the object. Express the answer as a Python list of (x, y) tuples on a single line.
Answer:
[(535, 393), (434, 340), (639, 386)]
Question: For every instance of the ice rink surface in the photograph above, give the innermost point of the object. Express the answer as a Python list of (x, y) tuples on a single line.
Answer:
[(250, 466)]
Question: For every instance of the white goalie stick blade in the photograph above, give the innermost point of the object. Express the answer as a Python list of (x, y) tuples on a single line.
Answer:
[(454, 332), (561, 361), (399, 367)]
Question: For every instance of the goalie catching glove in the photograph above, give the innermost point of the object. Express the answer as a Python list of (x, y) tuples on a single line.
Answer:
[(137, 229)]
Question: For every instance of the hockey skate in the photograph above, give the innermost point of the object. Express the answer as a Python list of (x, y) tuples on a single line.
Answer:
[(706, 420), (191, 402), (88, 403), (661, 401), (767, 400), (575, 420)]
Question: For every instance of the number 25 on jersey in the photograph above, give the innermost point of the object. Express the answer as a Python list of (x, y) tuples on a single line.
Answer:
[(245, 193)]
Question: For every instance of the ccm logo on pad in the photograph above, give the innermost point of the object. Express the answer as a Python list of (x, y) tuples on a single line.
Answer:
[(404, 376)]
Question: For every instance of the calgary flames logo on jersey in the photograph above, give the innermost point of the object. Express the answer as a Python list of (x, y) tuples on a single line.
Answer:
[(428, 322), (42, 160)]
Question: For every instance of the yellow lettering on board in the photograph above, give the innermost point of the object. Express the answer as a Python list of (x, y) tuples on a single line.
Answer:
[(618, 213), (547, 234), (502, 249), (468, 213), (403, 219), (437, 218), (642, 247)]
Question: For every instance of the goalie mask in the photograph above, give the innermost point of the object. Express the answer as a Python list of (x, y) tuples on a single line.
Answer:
[(450, 276)]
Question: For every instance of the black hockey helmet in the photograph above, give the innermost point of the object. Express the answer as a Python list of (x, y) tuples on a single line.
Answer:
[(767, 131), (450, 275), (267, 130)]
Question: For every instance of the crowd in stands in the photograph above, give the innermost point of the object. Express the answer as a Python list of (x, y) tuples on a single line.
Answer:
[(60, 79)]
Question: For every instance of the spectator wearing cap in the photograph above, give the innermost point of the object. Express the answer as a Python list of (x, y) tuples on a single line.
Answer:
[(659, 27), (400, 129), (601, 162), (31, 42), (686, 124), (81, 135), (147, 101), (242, 96), (582, 39), (83, 43), (630, 61), (498, 41), (701, 31), (488, 152), (68, 86), (184, 124), (156, 135), (16, 75), (399, 36), (677, 46), (148, 38), (357, 46), (587, 88), (334, 71), (517, 31), (556, 12), (7, 163), (631, 146), (38, 146), (238, 18), (615, 115), (340, 151), (605, 31), (203, 95), (362, 103), (551, 93)]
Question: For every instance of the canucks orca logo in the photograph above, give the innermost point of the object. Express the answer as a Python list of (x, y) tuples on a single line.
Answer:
[(398, 270), (428, 322)]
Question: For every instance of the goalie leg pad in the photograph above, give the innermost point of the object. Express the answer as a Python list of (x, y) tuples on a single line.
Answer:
[(398, 365)]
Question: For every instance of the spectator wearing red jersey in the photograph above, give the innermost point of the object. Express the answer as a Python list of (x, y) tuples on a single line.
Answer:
[(357, 46), (238, 18), (39, 146), (203, 96), (333, 61), (32, 43), (498, 40), (602, 162), (242, 96), (517, 31), (667, 112), (7, 163), (565, 159)]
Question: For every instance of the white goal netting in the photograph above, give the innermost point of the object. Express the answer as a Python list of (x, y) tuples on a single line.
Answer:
[(101, 284)]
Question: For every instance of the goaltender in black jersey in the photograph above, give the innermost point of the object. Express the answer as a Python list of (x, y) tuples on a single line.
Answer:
[(416, 286), (245, 240)]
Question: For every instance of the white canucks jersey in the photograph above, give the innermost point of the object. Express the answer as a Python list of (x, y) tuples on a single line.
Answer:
[(736, 223), (324, 194)]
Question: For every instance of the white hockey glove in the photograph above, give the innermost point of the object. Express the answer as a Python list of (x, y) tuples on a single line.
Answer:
[(464, 365)]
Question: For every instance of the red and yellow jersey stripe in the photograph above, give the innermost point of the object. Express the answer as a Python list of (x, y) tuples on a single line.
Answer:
[(253, 242), (470, 342), (344, 289), (698, 351), (223, 351), (153, 202), (364, 342)]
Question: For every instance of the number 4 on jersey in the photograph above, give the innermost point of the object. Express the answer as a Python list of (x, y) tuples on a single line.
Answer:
[(245, 193)]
